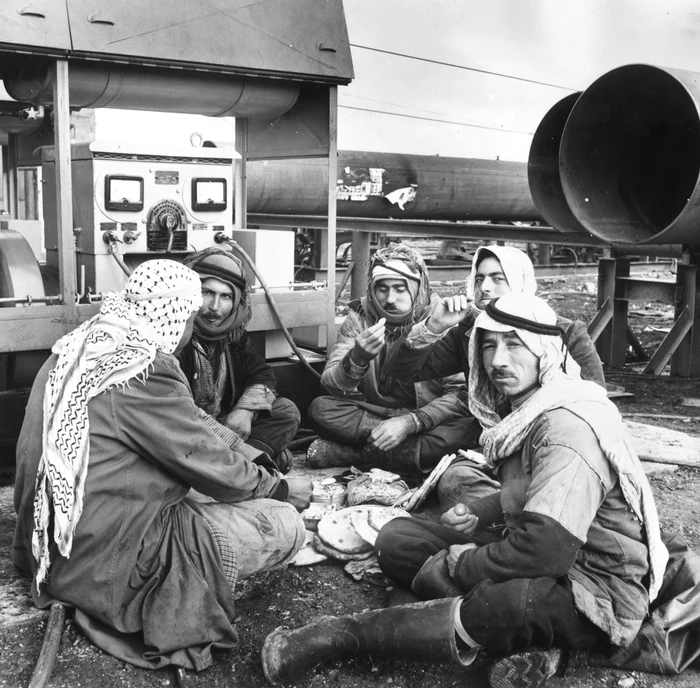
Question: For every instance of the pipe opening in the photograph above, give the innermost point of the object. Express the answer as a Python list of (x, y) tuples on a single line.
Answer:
[(630, 156), (543, 168)]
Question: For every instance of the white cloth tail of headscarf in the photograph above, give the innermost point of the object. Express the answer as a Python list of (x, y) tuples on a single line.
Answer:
[(558, 389), (516, 266), (115, 346)]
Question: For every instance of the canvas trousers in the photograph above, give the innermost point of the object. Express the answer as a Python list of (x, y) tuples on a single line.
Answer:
[(350, 421), (501, 617)]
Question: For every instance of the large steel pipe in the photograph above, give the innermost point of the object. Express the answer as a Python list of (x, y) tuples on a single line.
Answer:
[(389, 185), (630, 156), (543, 168), (130, 87)]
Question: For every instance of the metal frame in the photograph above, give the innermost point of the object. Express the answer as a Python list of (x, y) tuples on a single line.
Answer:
[(425, 228), (609, 328)]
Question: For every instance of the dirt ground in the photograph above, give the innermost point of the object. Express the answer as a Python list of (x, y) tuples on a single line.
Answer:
[(292, 597)]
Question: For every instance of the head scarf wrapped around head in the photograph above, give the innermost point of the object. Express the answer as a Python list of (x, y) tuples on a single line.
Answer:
[(399, 262), (112, 348), (535, 325), (218, 262), (396, 261), (516, 266)]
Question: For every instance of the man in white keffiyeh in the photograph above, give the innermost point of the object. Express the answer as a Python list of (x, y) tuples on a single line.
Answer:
[(580, 556), (131, 505)]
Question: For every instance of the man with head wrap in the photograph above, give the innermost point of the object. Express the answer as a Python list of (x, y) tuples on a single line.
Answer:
[(439, 345), (111, 444), (581, 557), (229, 379), (373, 418)]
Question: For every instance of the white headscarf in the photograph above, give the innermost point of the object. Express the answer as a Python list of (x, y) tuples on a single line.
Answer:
[(558, 389), (116, 345), (516, 266)]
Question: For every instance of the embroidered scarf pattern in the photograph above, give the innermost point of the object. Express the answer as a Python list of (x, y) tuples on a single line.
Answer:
[(115, 346)]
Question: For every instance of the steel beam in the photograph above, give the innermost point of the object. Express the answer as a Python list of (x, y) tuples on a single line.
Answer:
[(425, 228)]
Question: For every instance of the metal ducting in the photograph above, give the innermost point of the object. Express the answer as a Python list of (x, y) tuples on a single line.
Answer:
[(389, 185), (128, 87), (630, 156), (543, 168)]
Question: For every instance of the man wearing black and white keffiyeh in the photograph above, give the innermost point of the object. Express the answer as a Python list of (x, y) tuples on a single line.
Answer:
[(111, 444)]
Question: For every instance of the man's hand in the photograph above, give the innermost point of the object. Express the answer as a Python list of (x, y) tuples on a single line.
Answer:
[(460, 519), (240, 421), (449, 311), (455, 553), (369, 343), (300, 490), (391, 432)]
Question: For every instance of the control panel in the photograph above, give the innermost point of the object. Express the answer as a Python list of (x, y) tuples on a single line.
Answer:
[(138, 203)]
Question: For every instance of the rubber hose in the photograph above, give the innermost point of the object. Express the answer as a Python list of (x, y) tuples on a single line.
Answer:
[(234, 244)]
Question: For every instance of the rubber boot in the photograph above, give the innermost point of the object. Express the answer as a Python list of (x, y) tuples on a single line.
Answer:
[(402, 459), (328, 454), (422, 632), (433, 581)]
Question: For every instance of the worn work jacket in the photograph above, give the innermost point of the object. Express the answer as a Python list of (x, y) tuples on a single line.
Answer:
[(142, 563), (565, 515), (428, 355), (441, 397), (251, 380)]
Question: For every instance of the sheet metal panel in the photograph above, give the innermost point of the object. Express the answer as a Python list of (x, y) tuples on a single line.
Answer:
[(37, 24), (303, 38)]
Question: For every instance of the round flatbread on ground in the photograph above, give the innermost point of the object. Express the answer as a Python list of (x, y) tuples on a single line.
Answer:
[(333, 553), (336, 531), (363, 528), (308, 554), (378, 518)]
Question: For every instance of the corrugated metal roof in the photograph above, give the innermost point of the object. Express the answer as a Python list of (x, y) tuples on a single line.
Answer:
[(297, 39)]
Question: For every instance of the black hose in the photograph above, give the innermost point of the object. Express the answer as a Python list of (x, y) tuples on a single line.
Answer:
[(235, 245)]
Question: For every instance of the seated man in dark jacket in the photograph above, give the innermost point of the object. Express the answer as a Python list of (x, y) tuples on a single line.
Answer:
[(229, 379), (581, 558), (439, 345)]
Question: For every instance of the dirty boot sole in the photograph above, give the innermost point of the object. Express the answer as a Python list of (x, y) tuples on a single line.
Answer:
[(525, 669)]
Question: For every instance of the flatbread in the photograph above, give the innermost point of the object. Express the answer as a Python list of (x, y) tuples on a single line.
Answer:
[(336, 531), (364, 489), (378, 518), (323, 548), (363, 528), (308, 554)]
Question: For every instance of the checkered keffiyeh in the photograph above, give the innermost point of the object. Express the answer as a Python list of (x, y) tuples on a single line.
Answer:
[(116, 345), (558, 389)]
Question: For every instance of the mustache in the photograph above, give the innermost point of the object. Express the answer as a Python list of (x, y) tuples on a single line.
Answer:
[(499, 373)]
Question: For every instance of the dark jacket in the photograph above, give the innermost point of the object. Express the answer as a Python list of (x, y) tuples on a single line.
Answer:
[(566, 515), (247, 368), (450, 354)]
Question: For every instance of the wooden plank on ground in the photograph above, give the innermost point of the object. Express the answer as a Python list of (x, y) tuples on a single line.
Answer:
[(664, 445)]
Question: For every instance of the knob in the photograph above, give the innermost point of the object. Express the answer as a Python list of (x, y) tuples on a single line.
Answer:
[(168, 222), (111, 238), (130, 236)]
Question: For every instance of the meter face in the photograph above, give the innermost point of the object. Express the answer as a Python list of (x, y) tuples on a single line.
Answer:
[(123, 193), (208, 194)]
